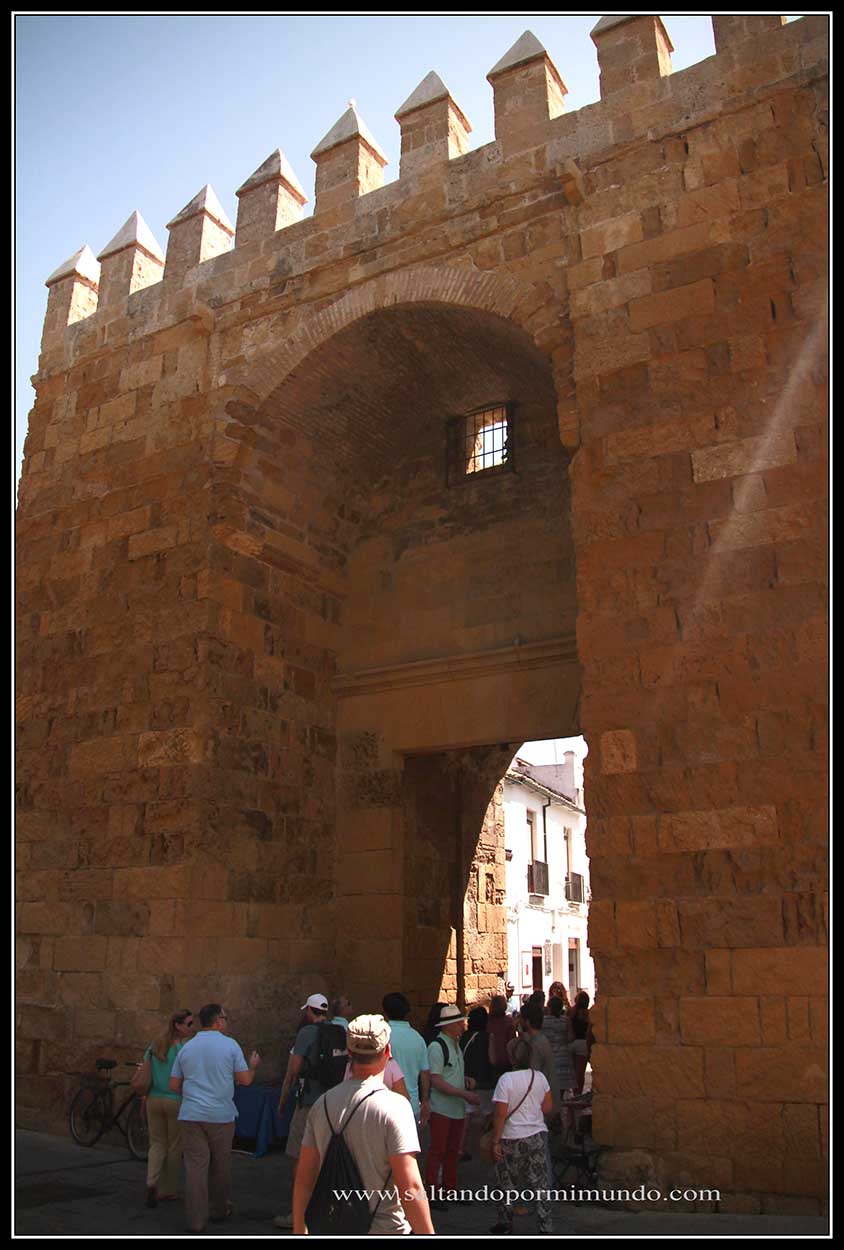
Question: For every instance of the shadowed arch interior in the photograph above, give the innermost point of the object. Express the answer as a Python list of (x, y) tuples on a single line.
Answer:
[(446, 607)]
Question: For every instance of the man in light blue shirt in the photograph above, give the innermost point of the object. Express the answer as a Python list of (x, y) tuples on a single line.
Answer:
[(204, 1073), (410, 1053), (341, 1010)]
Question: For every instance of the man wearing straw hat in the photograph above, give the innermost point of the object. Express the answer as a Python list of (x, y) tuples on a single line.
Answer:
[(451, 1090)]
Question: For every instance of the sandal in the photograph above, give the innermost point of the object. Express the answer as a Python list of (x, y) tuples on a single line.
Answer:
[(219, 1219)]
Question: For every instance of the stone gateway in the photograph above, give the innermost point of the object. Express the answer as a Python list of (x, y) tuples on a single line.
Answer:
[(321, 518)]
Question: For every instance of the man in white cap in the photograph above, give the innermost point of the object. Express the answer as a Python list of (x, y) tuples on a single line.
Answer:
[(378, 1128), (300, 1073), (451, 1090)]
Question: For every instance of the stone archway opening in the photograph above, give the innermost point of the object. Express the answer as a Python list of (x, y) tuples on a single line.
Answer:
[(446, 624), (547, 877)]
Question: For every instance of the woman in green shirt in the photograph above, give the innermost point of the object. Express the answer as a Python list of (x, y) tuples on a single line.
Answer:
[(165, 1139)]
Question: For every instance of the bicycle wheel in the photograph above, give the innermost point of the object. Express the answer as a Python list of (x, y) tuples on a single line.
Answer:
[(88, 1116), (137, 1130)]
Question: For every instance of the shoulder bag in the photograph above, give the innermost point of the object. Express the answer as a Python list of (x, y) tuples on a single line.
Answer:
[(485, 1146)]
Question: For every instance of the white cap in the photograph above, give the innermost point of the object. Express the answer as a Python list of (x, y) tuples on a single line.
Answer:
[(318, 1001)]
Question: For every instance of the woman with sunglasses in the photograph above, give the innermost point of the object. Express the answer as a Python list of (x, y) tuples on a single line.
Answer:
[(164, 1162)]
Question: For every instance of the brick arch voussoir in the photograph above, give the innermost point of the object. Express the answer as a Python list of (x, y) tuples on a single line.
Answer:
[(531, 308)]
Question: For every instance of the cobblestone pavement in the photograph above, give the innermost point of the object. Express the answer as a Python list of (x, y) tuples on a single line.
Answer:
[(62, 1189)]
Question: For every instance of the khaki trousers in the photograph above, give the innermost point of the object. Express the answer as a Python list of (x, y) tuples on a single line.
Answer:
[(208, 1162), (164, 1162)]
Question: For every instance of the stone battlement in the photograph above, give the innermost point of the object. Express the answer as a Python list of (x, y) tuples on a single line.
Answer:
[(457, 194)]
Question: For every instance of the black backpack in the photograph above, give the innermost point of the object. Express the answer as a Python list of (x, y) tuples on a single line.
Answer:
[(328, 1213), (328, 1057), (444, 1048)]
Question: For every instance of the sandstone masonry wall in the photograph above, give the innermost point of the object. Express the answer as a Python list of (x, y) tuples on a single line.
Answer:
[(189, 718)]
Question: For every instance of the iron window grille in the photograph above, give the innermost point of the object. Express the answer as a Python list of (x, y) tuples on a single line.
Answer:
[(480, 443), (537, 875), (575, 888)]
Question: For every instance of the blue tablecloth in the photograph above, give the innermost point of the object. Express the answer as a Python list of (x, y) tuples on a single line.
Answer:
[(257, 1115)]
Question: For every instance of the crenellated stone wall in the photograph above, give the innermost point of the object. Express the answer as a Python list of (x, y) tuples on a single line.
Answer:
[(270, 665)]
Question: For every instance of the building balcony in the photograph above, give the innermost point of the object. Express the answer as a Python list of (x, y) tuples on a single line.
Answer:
[(576, 891), (537, 877)]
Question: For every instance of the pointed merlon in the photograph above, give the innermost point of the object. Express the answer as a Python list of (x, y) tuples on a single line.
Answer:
[(82, 264), (349, 126), (205, 201), (198, 233), (617, 19), (430, 90), (614, 19), (527, 99), (269, 200), (73, 295), (131, 261), (134, 233), (433, 127), (632, 48), (276, 168), (526, 48)]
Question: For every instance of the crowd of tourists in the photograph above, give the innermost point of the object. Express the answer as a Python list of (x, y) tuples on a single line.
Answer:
[(363, 1092)]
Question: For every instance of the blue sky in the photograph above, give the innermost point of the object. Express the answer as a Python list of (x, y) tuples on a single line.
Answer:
[(117, 113)]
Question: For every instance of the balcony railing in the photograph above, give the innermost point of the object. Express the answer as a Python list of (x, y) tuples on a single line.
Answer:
[(537, 877), (575, 888)]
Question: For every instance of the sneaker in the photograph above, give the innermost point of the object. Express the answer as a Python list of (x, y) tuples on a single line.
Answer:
[(283, 1221)]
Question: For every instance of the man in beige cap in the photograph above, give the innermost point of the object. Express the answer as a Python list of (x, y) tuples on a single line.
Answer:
[(379, 1129)]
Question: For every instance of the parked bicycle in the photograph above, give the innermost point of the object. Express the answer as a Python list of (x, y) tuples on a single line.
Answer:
[(93, 1112), (574, 1154)]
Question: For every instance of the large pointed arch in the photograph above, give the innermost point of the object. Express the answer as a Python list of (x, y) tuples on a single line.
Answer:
[(535, 309)]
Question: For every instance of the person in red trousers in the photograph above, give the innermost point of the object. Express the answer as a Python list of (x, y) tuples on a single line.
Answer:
[(450, 1092)]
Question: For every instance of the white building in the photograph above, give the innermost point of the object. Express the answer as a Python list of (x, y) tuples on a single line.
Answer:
[(547, 890)]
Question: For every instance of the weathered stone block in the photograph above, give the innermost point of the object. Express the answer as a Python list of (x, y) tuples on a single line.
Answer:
[(794, 1073), (769, 971), (713, 1021), (83, 954)]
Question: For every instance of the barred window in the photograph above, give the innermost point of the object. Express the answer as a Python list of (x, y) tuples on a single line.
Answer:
[(480, 442)]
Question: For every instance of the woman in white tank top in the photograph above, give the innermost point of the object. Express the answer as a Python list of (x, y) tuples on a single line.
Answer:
[(521, 1100)]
